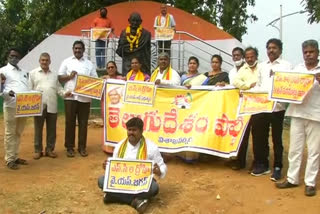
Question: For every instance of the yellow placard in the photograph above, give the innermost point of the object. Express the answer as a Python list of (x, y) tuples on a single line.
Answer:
[(128, 176), (28, 104), (139, 92), (254, 103), (181, 120), (89, 87), (291, 87), (100, 33), (163, 33)]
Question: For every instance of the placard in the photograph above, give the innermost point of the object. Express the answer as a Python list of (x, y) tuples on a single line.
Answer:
[(28, 104), (164, 34), (255, 103), (100, 33), (137, 92), (87, 86)]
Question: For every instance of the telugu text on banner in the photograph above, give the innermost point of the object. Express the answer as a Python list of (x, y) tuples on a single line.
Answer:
[(139, 92), (87, 86), (181, 120), (255, 103), (164, 34), (28, 104), (128, 176), (290, 87)]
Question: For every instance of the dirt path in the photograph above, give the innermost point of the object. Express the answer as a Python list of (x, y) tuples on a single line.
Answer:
[(65, 185)]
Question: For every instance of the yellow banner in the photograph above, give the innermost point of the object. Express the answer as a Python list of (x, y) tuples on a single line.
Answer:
[(181, 120), (163, 33), (128, 176), (290, 87), (100, 33), (255, 103), (89, 87), (139, 92), (28, 104)]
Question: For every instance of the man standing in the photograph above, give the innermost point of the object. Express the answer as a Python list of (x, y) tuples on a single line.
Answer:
[(101, 22), (44, 80), (16, 80), (164, 74), (76, 106), (164, 20), (130, 148), (238, 60), (305, 125), (135, 41), (248, 77), (275, 119)]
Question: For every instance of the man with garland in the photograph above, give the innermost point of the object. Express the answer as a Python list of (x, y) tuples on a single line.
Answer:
[(134, 147), (164, 74), (135, 41), (164, 20)]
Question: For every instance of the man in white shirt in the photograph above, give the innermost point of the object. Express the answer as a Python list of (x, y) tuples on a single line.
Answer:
[(44, 80), (129, 149), (164, 20), (76, 106), (238, 60), (164, 74), (275, 119), (16, 80), (305, 125)]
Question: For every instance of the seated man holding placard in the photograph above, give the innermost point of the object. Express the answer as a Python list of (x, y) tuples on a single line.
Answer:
[(136, 147)]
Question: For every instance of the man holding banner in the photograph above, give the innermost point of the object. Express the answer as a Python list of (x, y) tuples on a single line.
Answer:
[(275, 119), (305, 125), (76, 106), (164, 74), (136, 147), (16, 80)]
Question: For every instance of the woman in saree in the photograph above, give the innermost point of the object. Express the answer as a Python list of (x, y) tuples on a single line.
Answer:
[(135, 74), (188, 79), (216, 77)]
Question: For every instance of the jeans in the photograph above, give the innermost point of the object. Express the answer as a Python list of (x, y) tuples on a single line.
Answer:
[(124, 198), (101, 53)]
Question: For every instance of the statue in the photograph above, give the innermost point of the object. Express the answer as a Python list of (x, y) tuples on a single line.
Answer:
[(135, 41)]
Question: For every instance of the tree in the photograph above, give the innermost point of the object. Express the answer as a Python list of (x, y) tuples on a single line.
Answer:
[(313, 7), (25, 23)]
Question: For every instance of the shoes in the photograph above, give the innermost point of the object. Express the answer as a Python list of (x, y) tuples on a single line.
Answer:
[(286, 184), (276, 175), (140, 204), (259, 170), (12, 165), (310, 191), (51, 154), (37, 155), (70, 153), (21, 161), (83, 153)]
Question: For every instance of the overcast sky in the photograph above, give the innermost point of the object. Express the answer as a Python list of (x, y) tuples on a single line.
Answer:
[(295, 28)]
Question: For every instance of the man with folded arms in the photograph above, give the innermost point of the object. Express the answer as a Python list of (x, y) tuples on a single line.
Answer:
[(305, 126), (44, 80), (136, 146)]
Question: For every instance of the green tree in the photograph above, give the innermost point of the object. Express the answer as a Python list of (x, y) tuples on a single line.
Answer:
[(313, 7), (25, 23)]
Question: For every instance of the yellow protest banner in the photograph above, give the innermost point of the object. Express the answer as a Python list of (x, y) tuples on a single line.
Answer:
[(128, 176), (139, 92), (100, 33), (181, 120), (28, 104), (163, 33), (255, 103), (290, 87), (87, 86)]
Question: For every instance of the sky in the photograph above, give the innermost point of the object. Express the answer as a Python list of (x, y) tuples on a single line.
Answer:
[(295, 28)]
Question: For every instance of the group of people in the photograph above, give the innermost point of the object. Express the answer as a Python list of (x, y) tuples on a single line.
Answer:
[(247, 74)]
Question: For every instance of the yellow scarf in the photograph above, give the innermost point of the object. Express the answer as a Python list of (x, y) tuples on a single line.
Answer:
[(142, 151), (133, 39), (166, 76), (139, 76), (167, 24)]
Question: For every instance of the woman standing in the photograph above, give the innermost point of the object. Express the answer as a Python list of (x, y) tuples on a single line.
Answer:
[(190, 78), (216, 77), (135, 74)]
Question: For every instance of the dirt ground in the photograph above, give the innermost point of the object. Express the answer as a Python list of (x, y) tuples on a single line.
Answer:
[(69, 185)]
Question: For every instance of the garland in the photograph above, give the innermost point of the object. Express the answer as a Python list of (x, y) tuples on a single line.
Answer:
[(133, 39), (142, 151), (167, 23)]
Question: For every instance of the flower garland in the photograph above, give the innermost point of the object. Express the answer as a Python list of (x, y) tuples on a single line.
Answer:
[(133, 39)]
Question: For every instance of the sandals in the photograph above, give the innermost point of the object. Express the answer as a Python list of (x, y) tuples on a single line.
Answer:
[(21, 161), (12, 165)]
